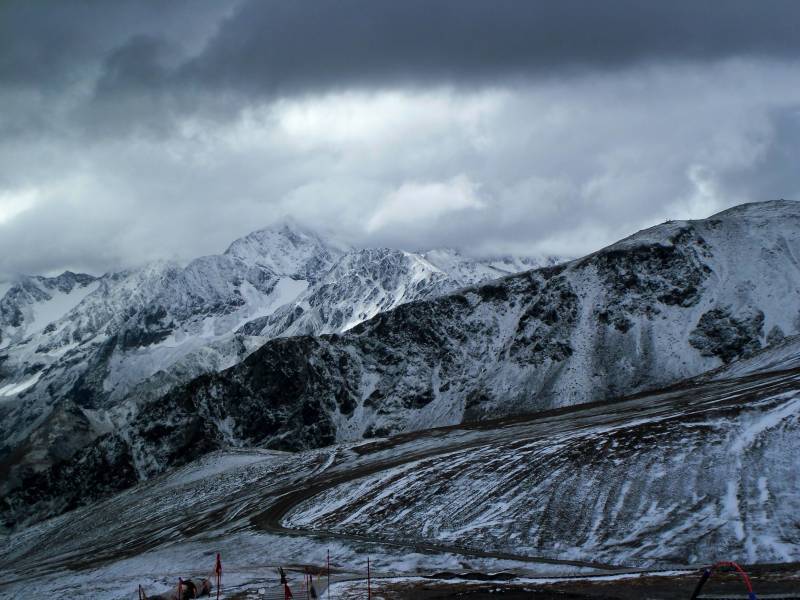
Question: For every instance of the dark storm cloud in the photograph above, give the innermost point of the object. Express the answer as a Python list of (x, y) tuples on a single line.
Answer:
[(49, 44), (299, 45), (305, 44), (267, 49)]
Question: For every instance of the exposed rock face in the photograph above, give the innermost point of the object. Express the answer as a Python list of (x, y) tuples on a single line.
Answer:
[(718, 333), (106, 466)]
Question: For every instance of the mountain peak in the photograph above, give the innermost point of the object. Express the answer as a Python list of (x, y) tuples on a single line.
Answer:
[(772, 217), (766, 208), (287, 248)]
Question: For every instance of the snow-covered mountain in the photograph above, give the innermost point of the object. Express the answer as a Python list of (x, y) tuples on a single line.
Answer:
[(82, 353), (29, 304), (366, 282), (665, 304), (359, 286), (135, 323)]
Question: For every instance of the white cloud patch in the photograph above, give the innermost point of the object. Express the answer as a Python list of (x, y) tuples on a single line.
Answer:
[(421, 203), (13, 203)]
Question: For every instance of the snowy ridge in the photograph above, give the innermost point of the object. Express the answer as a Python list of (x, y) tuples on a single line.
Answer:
[(663, 305), (369, 281), (470, 271)]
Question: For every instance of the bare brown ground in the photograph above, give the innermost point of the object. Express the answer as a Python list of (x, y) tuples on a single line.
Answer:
[(769, 581), (783, 580)]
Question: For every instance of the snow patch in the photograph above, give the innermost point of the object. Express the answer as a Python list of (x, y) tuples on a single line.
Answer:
[(12, 389)]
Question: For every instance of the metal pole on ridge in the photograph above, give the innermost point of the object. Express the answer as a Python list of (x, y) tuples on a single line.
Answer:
[(329, 575), (369, 583), (708, 572), (701, 583), (218, 572)]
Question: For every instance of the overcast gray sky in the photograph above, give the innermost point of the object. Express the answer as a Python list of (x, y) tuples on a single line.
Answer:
[(137, 130)]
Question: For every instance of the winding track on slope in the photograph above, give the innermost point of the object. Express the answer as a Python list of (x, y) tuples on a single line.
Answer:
[(680, 399)]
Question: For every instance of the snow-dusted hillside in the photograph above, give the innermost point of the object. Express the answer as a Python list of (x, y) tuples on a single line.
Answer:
[(780, 356), (698, 473), (685, 477)]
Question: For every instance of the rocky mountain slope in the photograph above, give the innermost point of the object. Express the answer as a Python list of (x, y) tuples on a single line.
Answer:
[(72, 379), (686, 477), (131, 324), (366, 282), (70, 375)]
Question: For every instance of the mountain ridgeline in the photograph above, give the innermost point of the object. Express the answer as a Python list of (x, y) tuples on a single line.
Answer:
[(665, 304), (80, 356)]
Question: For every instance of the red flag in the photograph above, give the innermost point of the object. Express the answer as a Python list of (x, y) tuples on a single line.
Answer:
[(287, 593)]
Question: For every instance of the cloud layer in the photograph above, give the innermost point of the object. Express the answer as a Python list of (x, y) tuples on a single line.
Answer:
[(135, 131)]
